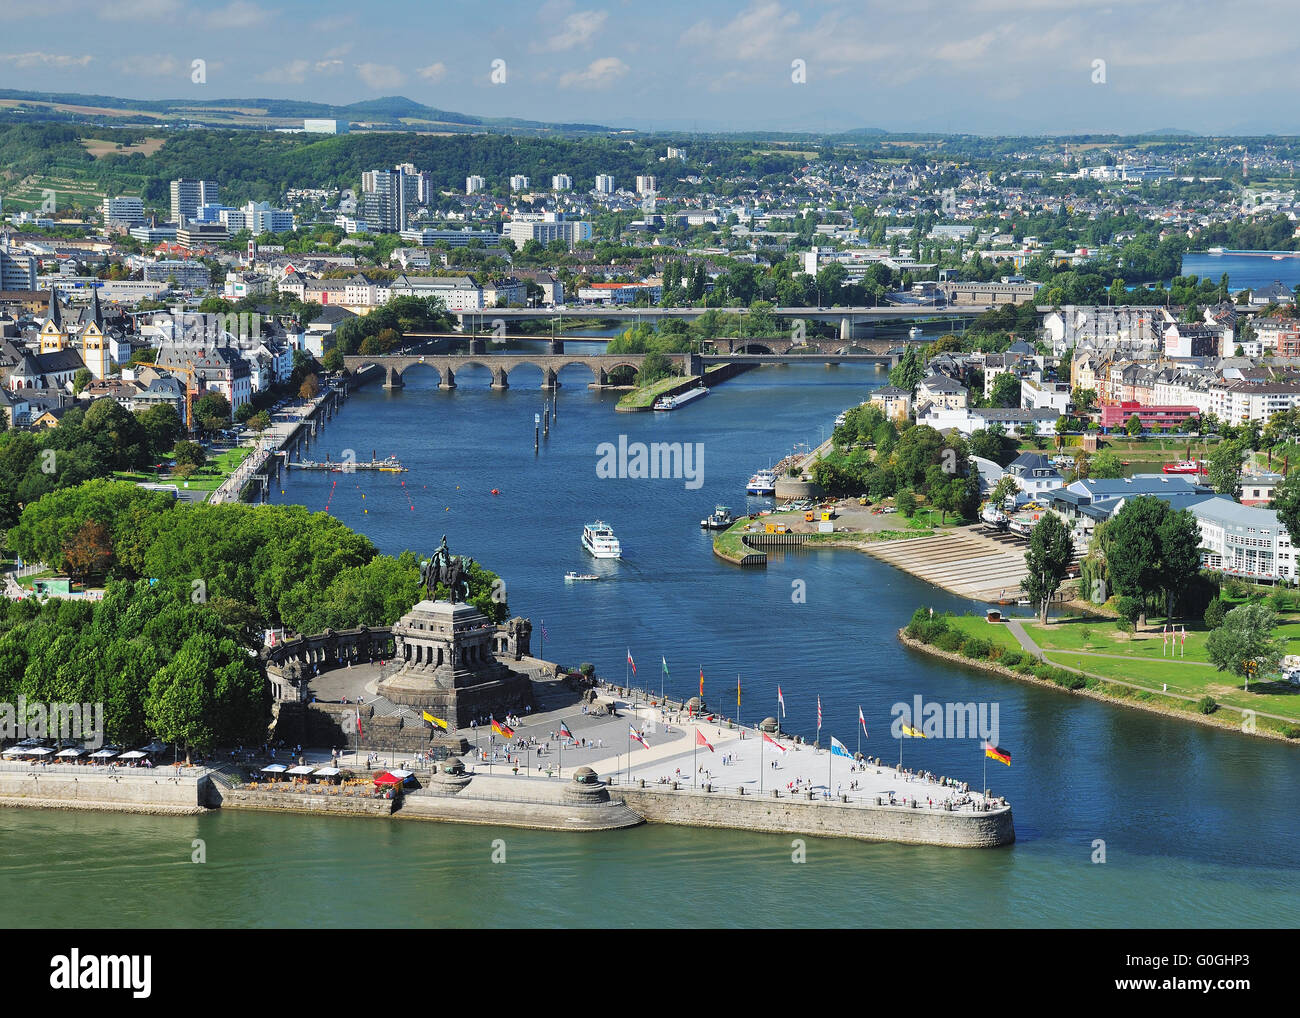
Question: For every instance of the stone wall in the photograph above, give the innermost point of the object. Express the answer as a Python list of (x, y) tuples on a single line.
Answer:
[(147, 789), (303, 802), (537, 816), (820, 818)]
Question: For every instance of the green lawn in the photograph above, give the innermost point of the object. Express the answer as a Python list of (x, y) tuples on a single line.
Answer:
[(994, 632), (209, 478), (644, 396)]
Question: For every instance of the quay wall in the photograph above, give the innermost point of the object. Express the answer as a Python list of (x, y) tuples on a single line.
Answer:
[(149, 791), (301, 802), (822, 818), (538, 816)]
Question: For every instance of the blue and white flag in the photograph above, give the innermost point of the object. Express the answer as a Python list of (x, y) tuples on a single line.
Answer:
[(839, 749)]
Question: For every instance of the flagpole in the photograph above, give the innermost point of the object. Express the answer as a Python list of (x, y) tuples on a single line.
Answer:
[(761, 740), (829, 757), (542, 655), (695, 754), (985, 789)]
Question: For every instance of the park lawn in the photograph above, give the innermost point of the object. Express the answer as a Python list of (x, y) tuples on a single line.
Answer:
[(644, 396), (1190, 679), (1104, 638), (994, 632), (219, 466)]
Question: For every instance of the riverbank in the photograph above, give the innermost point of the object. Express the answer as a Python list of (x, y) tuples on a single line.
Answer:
[(642, 398), (1097, 688)]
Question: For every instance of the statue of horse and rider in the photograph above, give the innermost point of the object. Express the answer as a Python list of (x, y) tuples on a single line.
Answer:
[(452, 571)]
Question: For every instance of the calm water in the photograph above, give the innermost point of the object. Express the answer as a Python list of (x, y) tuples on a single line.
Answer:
[(1199, 826), (1244, 271)]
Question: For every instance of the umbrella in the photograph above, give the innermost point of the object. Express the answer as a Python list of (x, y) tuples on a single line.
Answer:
[(326, 772), (134, 754), (103, 754), (70, 752), (301, 769), (387, 779), (274, 769)]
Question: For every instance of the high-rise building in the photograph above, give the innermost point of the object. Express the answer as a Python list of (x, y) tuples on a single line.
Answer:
[(519, 182), (645, 185), (17, 271), (604, 183), (474, 184), (561, 182), (125, 210), (188, 196), (384, 196)]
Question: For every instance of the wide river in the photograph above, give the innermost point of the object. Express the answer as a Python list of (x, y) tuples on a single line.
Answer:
[(1198, 827)]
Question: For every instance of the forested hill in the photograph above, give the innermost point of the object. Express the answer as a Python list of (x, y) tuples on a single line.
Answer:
[(264, 164)]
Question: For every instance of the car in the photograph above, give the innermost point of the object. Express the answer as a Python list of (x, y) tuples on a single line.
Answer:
[(889, 509)]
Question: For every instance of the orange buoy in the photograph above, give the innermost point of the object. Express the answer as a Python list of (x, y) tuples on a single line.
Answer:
[(495, 491)]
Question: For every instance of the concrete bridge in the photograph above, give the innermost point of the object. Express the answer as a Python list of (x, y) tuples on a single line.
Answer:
[(754, 350)]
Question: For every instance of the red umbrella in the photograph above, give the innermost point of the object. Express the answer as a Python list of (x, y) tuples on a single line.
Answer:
[(387, 779)]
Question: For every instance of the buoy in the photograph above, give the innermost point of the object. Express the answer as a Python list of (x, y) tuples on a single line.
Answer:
[(412, 508), (447, 510), (365, 510), (495, 491)]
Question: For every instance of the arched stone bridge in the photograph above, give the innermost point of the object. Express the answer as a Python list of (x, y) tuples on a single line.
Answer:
[(500, 365)]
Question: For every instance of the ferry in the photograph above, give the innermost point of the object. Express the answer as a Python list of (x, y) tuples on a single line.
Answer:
[(674, 402), (1185, 467), (572, 576), (914, 332), (763, 484), (598, 538), (1214, 250), (720, 520)]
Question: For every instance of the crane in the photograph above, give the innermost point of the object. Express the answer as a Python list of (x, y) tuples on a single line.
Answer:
[(191, 387)]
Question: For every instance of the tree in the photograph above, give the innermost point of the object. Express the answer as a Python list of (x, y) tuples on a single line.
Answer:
[(655, 366), (1083, 399), (1005, 391), (905, 502), (1051, 550), (189, 454), (1106, 465), (260, 421), (1244, 643), (1224, 470), (909, 370), (333, 359), (1180, 554), (162, 426), (89, 552), (212, 411), (1286, 502), (1133, 549), (1134, 426), (1006, 488), (80, 380), (310, 387)]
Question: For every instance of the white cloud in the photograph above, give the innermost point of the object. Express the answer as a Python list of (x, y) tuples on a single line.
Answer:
[(38, 59), (239, 14), (434, 72), (963, 50), (294, 72), (579, 28), (154, 66), (604, 71), (380, 75)]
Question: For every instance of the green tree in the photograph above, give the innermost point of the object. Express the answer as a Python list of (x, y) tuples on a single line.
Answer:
[(1224, 469), (1133, 551), (1106, 465), (212, 411), (909, 370), (1286, 502), (1005, 391), (1180, 554), (1244, 643), (1005, 488), (189, 453), (905, 502), (80, 380), (1133, 426), (1051, 550), (162, 427)]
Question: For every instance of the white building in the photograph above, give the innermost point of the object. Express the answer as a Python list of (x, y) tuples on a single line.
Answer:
[(315, 126), (1246, 541), (604, 183), (519, 182), (569, 231), (645, 185), (458, 293), (561, 182), (474, 184), (126, 210)]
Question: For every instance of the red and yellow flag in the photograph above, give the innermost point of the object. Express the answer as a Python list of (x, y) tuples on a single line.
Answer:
[(993, 751), (701, 682), (505, 731)]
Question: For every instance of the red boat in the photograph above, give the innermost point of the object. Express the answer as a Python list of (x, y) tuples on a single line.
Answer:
[(1185, 467)]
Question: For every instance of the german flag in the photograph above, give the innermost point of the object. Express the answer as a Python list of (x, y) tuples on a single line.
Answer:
[(993, 751), (505, 731)]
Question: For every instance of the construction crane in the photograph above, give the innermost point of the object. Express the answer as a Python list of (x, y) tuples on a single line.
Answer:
[(191, 387)]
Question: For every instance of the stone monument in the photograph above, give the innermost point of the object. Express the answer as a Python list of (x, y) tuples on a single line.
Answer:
[(447, 654)]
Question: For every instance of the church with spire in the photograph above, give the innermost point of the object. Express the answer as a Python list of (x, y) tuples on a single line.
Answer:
[(87, 336)]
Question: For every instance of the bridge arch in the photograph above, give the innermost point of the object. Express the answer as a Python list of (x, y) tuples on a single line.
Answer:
[(752, 347)]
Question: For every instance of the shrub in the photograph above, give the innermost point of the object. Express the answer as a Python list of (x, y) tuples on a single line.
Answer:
[(976, 647), (1124, 626), (1279, 600), (1291, 731), (1011, 658), (1072, 681), (1207, 705), (948, 640), (1214, 613), (1129, 609), (587, 668)]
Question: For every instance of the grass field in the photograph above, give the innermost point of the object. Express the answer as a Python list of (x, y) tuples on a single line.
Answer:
[(217, 469)]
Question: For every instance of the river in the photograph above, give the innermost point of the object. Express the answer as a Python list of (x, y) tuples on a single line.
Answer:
[(1198, 824)]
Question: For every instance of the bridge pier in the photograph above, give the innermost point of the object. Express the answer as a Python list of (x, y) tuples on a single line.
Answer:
[(448, 379), (602, 378), (477, 345), (555, 346), (846, 328), (551, 379), (394, 379), (500, 380)]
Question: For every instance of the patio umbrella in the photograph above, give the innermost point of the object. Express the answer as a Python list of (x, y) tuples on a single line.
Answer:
[(387, 779)]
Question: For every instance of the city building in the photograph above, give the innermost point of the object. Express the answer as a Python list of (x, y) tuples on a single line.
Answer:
[(17, 269), (561, 182), (428, 237), (645, 185), (188, 196), (895, 403), (474, 184), (569, 231), (187, 275), (125, 211), (519, 182), (1034, 474), (604, 183), (314, 126), (458, 293)]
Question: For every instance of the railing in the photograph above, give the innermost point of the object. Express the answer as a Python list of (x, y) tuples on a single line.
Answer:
[(858, 799), (103, 770)]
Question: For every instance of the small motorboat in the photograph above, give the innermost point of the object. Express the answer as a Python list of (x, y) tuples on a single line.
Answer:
[(573, 577), (720, 519)]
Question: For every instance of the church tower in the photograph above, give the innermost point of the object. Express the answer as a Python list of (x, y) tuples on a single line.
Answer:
[(94, 342), (54, 336)]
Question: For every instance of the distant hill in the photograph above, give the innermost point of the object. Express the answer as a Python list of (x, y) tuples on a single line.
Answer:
[(389, 113)]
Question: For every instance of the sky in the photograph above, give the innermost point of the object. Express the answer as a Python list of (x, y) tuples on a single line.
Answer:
[(975, 66)]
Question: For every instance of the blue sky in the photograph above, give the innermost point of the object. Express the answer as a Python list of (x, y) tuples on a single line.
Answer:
[(985, 66)]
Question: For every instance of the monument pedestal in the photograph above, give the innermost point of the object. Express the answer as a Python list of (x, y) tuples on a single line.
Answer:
[(449, 665)]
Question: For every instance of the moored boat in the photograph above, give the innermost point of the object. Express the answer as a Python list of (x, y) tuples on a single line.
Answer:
[(762, 484), (720, 519)]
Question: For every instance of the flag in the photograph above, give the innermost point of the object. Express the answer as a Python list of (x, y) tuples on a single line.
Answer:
[(701, 682), (637, 736), (665, 661), (997, 754), (564, 731), (737, 690), (700, 740), (360, 733), (839, 749), (1184, 634), (545, 634), (861, 720), (915, 733), (771, 741), (1164, 635), (819, 712), (630, 661), (780, 701), (434, 721), (505, 731)]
